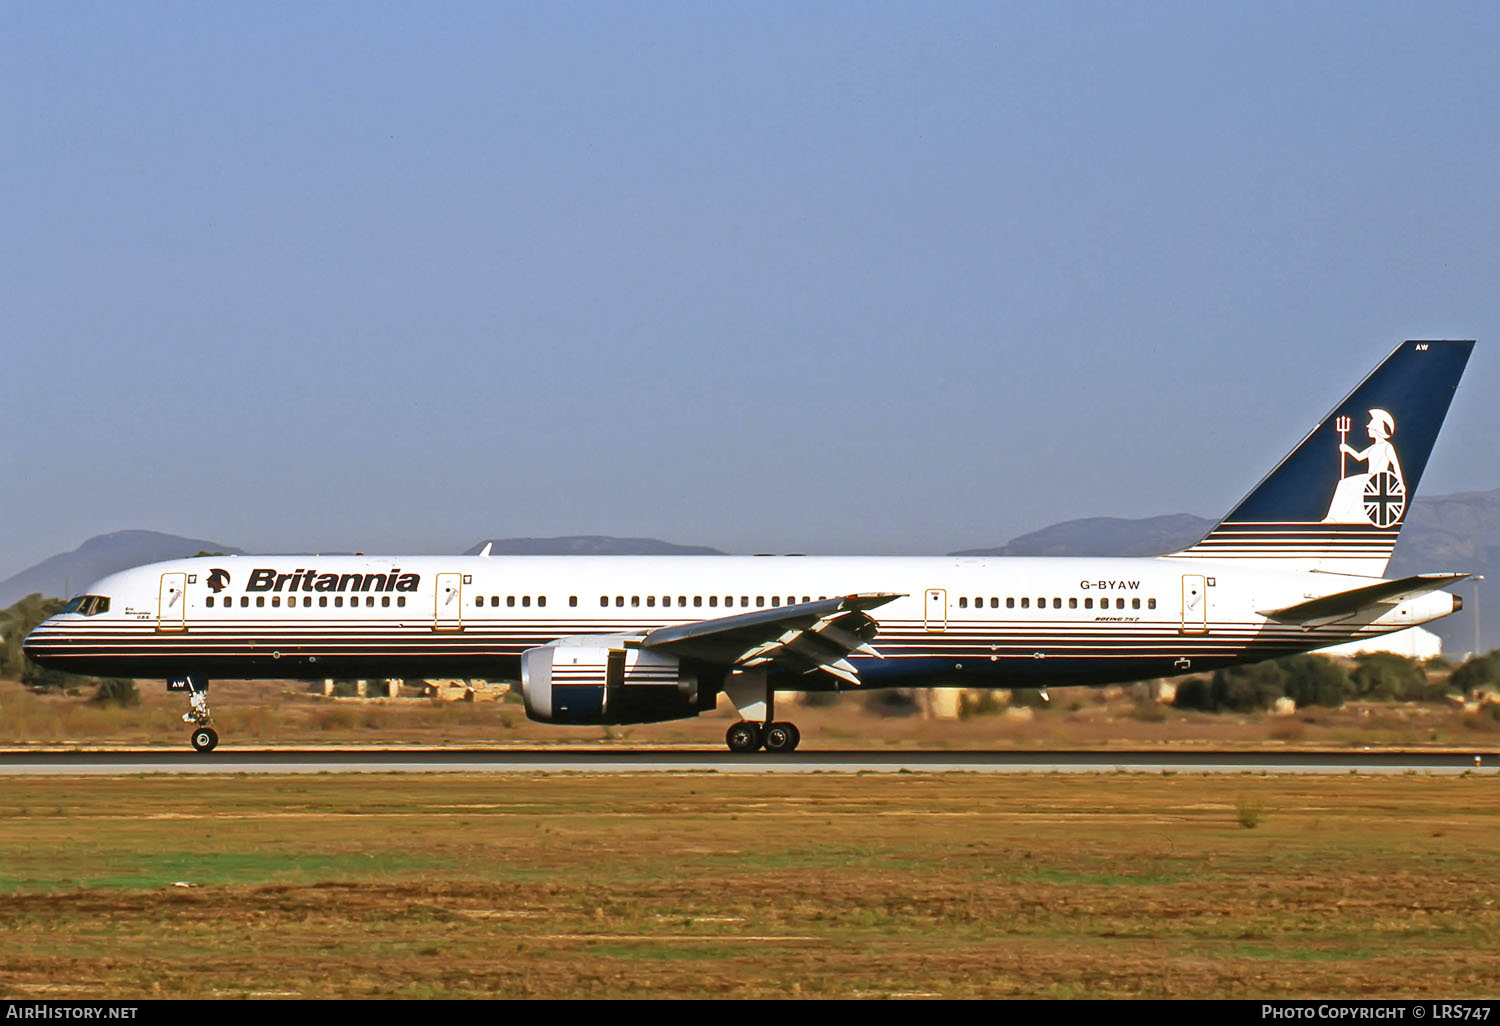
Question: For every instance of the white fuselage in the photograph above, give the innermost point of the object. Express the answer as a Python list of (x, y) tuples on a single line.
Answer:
[(969, 622)]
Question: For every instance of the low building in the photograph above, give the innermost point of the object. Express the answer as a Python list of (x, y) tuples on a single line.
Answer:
[(1413, 643)]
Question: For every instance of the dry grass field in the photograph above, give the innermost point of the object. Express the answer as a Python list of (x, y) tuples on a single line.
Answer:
[(702, 885), (252, 713)]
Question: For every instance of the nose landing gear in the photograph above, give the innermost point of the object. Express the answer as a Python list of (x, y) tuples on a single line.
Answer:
[(204, 738)]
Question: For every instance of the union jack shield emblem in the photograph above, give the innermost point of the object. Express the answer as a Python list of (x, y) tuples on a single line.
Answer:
[(1385, 498)]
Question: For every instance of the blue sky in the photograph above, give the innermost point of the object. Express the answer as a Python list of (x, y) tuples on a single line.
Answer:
[(770, 277)]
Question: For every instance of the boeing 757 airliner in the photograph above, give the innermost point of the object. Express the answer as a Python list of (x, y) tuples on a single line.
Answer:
[(1297, 565)]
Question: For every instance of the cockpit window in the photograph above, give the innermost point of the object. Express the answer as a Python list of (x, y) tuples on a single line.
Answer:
[(86, 605)]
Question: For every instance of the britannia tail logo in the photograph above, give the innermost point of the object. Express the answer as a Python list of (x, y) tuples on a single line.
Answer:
[(1377, 496), (218, 580)]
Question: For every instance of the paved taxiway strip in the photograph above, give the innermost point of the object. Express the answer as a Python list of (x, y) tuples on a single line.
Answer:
[(545, 760)]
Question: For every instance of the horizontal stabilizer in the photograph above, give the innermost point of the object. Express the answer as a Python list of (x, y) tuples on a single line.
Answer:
[(1345, 603)]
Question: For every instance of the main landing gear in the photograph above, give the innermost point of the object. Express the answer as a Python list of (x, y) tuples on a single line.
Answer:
[(204, 737), (756, 701), (746, 736)]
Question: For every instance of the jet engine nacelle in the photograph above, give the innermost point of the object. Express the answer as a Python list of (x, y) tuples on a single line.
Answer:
[(607, 679)]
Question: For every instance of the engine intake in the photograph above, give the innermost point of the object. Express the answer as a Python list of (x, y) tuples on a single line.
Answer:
[(609, 679)]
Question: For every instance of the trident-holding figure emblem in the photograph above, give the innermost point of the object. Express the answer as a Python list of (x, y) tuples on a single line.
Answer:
[(1377, 496)]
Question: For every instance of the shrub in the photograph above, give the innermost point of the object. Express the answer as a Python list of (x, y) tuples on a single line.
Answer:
[(892, 702), (1479, 672), (1194, 693), (116, 691), (1387, 676), (1315, 680), (1248, 688)]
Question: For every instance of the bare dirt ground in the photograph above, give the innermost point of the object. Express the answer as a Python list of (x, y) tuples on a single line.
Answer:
[(695, 885)]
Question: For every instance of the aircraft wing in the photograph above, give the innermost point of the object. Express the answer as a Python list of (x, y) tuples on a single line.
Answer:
[(804, 637), (1346, 603)]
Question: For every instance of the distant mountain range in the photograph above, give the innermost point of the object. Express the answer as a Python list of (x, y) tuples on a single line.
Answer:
[(70, 572), (1443, 532), (1104, 536)]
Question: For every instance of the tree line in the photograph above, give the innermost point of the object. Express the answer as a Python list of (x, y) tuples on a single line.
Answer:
[(1314, 680)]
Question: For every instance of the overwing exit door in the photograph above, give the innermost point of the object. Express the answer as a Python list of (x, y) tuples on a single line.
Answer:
[(1194, 604)]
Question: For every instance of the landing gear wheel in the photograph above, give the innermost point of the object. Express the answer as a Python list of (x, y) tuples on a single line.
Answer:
[(796, 736), (744, 736), (205, 738), (781, 737)]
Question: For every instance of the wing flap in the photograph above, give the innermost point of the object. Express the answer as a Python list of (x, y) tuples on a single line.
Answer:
[(1347, 603), (806, 637)]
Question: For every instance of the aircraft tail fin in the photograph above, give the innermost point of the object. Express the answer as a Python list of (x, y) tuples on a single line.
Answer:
[(1338, 500)]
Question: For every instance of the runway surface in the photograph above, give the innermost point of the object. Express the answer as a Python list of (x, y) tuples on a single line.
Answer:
[(58, 762)]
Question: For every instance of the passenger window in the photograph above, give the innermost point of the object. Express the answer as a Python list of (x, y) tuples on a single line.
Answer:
[(276, 601), (541, 600), (510, 600), (1151, 603), (526, 600), (697, 601), (1025, 602), (338, 600), (760, 601), (260, 600), (401, 600), (244, 601), (385, 600), (307, 601), (603, 601), (1135, 603), (713, 601), (1072, 603), (619, 601), (1119, 603), (682, 601), (744, 601), (370, 601), (776, 601), (322, 600), (963, 603), (635, 601), (210, 602), (994, 603), (1057, 603), (650, 600), (1010, 603), (572, 600)]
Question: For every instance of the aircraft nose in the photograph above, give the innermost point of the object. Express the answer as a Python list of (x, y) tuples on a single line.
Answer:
[(34, 646)]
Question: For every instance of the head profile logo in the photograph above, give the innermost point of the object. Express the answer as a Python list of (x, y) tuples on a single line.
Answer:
[(218, 580), (1378, 496)]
